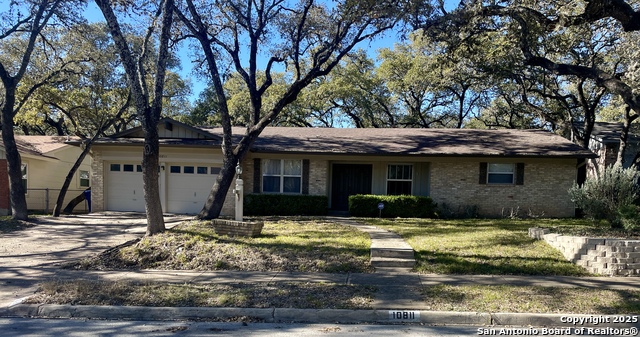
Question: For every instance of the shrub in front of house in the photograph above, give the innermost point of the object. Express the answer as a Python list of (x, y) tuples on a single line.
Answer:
[(285, 204), (402, 206), (611, 196)]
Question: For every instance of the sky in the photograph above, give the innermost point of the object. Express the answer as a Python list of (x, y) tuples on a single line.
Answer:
[(387, 40)]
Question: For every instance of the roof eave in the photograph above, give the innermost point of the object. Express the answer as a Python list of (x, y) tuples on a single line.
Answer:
[(433, 155)]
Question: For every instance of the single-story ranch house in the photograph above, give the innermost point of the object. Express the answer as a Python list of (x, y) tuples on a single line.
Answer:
[(605, 142), (494, 170), (46, 160)]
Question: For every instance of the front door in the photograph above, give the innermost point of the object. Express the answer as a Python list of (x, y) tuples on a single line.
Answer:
[(349, 179)]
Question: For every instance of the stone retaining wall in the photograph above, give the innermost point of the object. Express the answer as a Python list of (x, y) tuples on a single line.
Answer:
[(613, 257), (237, 228)]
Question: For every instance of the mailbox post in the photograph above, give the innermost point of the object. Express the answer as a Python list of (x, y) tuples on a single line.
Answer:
[(239, 193)]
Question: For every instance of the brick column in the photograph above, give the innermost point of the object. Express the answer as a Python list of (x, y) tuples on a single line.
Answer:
[(97, 181)]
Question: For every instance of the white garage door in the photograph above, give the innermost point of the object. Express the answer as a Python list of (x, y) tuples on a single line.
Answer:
[(188, 186), (124, 187)]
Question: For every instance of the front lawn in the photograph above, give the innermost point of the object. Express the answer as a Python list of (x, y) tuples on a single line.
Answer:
[(482, 246), (506, 298), (470, 298), (301, 246), (240, 295)]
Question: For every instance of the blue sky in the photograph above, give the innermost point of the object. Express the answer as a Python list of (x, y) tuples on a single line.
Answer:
[(93, 14)]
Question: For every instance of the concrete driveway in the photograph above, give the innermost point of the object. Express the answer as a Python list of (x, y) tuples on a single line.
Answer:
[(34, 254)]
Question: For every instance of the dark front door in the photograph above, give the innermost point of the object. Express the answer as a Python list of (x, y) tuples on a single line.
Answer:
[(348, 180)]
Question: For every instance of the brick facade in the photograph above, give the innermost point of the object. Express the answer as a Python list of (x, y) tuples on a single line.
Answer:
[(452, 181), (97, 182), (544, 192), (237, 228)]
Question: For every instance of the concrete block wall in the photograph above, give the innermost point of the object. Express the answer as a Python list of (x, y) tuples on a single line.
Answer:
[(545, 189), (613, 257)]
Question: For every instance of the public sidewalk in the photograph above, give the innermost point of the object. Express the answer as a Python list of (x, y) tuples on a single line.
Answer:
[(383, 312), (38, 251)]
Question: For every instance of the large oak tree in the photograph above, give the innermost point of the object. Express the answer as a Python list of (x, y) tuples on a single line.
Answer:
[(559, 38), (147, 102), (306, 39), (22, 34)]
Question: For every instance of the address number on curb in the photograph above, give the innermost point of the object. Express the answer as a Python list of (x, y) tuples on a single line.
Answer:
[(401, 315)]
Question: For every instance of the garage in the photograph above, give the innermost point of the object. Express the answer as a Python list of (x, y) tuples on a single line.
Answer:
[(188, 186), (125, 192)]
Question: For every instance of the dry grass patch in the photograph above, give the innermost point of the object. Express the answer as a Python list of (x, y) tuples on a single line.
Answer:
[(300, 246), (8, 225), (480, 246), (260, 295), (531, 299)]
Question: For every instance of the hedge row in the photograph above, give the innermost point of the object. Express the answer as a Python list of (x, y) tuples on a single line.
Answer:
[(403, 206), (285, 204)]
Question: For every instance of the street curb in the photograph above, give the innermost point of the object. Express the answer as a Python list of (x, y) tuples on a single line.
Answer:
[(291, 315), (271, 315)]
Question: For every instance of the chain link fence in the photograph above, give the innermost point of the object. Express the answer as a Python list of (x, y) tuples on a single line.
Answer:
[(44, 199)]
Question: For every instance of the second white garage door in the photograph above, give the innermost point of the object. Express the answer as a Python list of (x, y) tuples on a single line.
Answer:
[(188, 186)]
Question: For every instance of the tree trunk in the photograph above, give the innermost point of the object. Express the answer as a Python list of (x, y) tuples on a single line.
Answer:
[(624, 135), (75, 201), (14, 164), (215, 201), (69, 178), (148, 112), (150, 164)]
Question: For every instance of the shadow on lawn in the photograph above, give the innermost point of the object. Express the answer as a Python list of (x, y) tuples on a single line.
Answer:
[(449, 263), (534, 299)]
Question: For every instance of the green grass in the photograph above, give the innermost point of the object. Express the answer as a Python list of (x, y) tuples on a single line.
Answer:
[(303, 246), (591, 228), (507, 298), (482, 246)]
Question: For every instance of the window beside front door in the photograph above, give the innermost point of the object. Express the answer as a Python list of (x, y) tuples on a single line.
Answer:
[(282, 176), (399, 179)]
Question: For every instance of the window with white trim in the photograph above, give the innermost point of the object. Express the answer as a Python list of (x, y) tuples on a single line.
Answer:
[(24, 176), (282, 176), (83, 177), (399, 179), (501, 173)]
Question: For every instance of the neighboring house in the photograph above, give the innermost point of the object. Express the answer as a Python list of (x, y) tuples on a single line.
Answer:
[(495, 171), (605, 142), (46, 160)]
